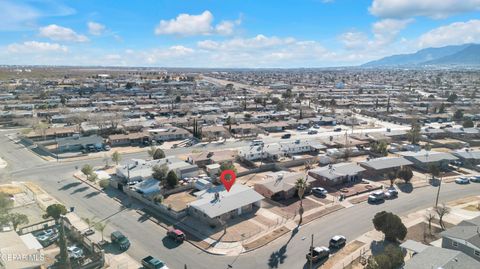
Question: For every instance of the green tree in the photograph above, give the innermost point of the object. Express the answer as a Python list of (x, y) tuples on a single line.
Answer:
[(390, 258), (468, 123), (56, 211), (414, 133), (380, 148), (390, 225), (172, 179), (87, 170), (434, 170), (301, 186), (159, 172), (116, 157), (452, 98), (178, 99), (158, 154), (392, 176), (458, 115), (227, 166), (405, 173), (441, 110), (18, 219), (99, 226), (104, 183), (5, 202)]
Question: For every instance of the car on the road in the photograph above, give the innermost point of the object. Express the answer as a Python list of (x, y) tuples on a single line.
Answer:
[(338, 129), (475, 179), (312, 131), (316, 126), (376, 197), (337, 241), (319, 191), (74, 252), (286, 136), (317, 254), (176, 235), (257, 143), (462, 180), (151, 262), (88, 232), (301, 128), (121, 240)]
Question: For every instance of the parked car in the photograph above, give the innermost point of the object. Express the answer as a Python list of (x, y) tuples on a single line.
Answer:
[(316, 126), (337, 241), (106, 147), (317, 254), (390, 193), (475, 179), (91, 148), (257, 143), (301, 128), (74, 252), (312, 131), (338, 129), (319, 191), (176, 235), (150, 262), (88, 232), (462, 180), (376, 197), (286, 136), (121, 240), (47, 232)]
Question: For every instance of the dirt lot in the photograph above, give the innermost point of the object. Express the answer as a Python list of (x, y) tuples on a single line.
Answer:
[(179, 201), (420, 233), (252, 179), (289, 208), (340, 255)]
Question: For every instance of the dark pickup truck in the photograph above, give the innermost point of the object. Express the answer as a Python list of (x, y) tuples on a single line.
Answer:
[(150, 262)]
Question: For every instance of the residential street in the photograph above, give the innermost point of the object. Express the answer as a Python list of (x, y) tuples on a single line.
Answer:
[(147, 237)]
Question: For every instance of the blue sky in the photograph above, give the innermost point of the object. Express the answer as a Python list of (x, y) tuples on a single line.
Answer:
[(229, 33)]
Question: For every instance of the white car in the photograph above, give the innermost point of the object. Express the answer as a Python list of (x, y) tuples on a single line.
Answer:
[(462, 180), (319, 191), (475, 179), (75, 252)]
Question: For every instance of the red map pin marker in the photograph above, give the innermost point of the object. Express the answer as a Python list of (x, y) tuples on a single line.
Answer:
[(228, 183)]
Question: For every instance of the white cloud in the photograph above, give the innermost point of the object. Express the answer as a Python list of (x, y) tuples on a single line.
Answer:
[(59, 33), (430, 8), (257, 42), (354, 40), (189, 25), (385, 31), (96, 28), (186, 24), (453, 34), (35, 47)]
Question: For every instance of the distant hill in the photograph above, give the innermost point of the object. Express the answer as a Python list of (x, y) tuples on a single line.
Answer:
[(467, 54)]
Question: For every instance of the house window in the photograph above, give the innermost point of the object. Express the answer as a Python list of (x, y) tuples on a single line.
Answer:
[(455, 244), (476, 252)]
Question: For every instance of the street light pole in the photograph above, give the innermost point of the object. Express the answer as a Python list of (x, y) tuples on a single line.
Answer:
[(438, 192), (311, 253)]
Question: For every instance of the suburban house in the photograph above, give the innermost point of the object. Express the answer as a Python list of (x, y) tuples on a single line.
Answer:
[(168, 134), (246, 129), (435, 257), (423, 159), (138, 169), (51, 133), (215, 132), (464, 237), (379, 167), (269, 151), (336, 174), (205, 158), (77, 143), (274, 126), (280, 185), (215, 205), (118, 140), (470, 158)]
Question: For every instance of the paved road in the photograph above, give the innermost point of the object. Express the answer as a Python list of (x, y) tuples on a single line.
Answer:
[(147, 237)]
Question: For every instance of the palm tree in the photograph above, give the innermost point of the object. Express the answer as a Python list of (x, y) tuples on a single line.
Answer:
[(301, 186)]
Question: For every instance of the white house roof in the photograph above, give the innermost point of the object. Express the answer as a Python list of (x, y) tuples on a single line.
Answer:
[(385, 163), (337, 170), (238, 196)]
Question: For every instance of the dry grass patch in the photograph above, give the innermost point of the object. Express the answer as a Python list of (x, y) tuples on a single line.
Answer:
[(10, 189), (266, 238), (342, 254)]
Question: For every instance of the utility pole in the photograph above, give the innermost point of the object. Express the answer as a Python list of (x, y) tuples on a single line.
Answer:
[(438, 192), (311, 253)]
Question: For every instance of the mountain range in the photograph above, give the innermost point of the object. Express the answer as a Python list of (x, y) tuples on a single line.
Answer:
[(459, 55)]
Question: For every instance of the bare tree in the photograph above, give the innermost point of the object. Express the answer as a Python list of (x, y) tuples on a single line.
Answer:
[(442, 210), (429, 216)]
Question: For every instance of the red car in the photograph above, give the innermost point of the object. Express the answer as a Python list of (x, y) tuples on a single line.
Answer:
[(176, 235)]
